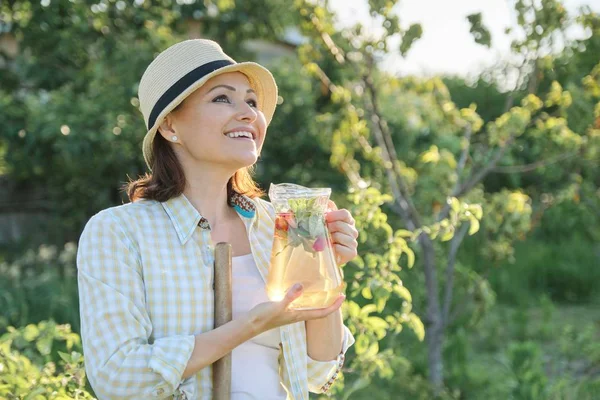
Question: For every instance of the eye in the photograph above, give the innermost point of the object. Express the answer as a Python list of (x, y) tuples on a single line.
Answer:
[(220, 99), (252, 103)]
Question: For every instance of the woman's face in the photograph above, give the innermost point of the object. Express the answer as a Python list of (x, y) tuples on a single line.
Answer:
[(219, 124)]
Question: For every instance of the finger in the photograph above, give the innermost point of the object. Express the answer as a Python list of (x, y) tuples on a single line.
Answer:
[(331, 206), (344, 254), (339, 215), (344, 239), (292, 294), (322, 312), (343, 227)]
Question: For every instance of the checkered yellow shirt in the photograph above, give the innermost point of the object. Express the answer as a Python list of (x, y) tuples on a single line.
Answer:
[(145, 273)]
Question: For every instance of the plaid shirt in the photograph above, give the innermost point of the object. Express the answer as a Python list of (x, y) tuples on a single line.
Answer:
[(145, 274)]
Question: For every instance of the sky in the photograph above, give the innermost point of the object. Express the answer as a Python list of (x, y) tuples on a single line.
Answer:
[(446, 46)]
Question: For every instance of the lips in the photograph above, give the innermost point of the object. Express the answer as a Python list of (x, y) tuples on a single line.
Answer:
[(240, 134), (242, 131)]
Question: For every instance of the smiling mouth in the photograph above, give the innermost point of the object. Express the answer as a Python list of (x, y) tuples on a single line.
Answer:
[(240, 135)]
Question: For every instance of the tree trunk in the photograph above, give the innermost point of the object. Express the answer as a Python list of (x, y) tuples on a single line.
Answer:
[(435, 338), (434, 334)]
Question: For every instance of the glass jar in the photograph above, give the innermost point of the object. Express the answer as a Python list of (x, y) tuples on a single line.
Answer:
[(302, 249)]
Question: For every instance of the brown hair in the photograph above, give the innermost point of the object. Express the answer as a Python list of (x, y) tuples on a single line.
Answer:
[(167, 179)]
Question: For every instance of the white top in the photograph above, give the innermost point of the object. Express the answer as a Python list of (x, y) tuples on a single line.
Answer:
[(254, 364)]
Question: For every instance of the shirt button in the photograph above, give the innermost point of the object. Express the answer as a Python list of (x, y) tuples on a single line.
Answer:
[(160, 391)]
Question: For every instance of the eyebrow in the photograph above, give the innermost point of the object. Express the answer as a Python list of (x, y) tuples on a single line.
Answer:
[(230, 88)]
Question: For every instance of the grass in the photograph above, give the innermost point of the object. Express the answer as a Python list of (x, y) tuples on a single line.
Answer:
[(550, 349)]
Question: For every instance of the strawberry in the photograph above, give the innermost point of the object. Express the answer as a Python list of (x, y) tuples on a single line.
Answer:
[(281, 224), (289, 218), (319, 244)]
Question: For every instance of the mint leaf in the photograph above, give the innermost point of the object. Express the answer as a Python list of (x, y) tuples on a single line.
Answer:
[(307, 244), (304, 232), (293, 238), (310, 222), (316, 225)]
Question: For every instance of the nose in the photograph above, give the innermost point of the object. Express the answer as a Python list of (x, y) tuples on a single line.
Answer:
[(246, 113)]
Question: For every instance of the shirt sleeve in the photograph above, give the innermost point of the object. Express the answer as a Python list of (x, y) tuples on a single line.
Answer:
[(120, 361), (322, 374)]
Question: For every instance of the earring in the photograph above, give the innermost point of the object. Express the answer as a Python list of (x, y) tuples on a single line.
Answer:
[(174, 138)]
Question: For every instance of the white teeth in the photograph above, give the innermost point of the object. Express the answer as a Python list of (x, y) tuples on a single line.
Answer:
[(239, 134)]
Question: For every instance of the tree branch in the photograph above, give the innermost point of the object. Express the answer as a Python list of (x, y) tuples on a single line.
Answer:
[(461, 189), (405, 207), (454, 246), (460, 308), (433, 317), (465, 153), (333, 49), (510, 169), (352, 175), (384, 140), (483, 172), (459, 168)]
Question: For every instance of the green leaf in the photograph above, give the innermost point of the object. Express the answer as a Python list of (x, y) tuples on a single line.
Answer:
[(414, 33), (316, 225), (31, 333), (411, 256), (431, 156), (76, 357), (378, 324), (366, 293), (372, 350), (381, 301), (44, 345), (302, 230), (35, 393), (361, 344), (480, 33), (293, 238), (454, 204), (307, 244), (368, 309), (403, 292), (66, 357), (403, 233), (352, 308), (417, 326), (474, 226), (448, 234), (477, 211)]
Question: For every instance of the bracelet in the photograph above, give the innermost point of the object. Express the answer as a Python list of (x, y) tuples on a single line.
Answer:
[(180, 395), (331, 380)]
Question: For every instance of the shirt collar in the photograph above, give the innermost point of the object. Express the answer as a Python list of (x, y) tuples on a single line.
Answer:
[(186, 218)]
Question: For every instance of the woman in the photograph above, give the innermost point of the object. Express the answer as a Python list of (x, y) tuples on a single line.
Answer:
[(145, 268)]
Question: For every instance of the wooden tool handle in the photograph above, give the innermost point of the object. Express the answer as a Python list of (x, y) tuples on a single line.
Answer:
[(223, 314)]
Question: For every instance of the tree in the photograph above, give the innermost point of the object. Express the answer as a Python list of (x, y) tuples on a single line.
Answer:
[(406, 138)]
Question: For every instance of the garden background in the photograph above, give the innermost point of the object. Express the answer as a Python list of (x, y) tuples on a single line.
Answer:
[(477, 199)]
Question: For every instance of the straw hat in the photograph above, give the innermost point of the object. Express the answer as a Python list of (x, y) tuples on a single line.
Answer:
[(184, 67)]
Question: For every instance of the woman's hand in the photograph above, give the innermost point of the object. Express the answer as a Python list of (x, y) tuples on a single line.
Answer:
[(273, 314), (343, 232)]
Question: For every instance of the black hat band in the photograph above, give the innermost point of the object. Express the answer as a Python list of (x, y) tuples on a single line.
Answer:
[(181, 85)]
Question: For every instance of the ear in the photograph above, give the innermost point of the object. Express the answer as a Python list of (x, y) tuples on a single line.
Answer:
[(167, 128)]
